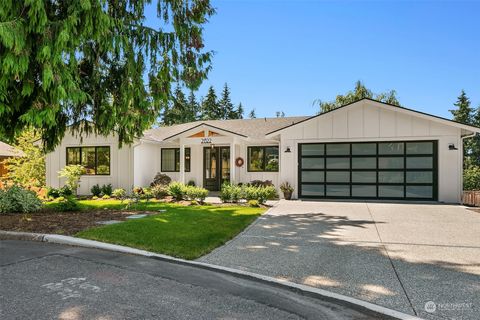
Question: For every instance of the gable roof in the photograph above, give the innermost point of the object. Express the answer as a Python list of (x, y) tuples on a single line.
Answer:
[(252, 128), (391, 107), (7, 150)]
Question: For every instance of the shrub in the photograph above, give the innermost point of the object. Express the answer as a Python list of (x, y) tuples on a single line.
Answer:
[(191, 183), (17, 199), (253, 203), (94, 198), (147, 193), (53, 192), (234, 193), (96, 190), (67, 204), (107, 189), (261, 183), (137, 191), (196, 193), (106, 197), (159, 191), (231, 193), (72, 173), (176, 190), (119, 193), (65, 191), (194, 203), (471, 178), (161, 179)]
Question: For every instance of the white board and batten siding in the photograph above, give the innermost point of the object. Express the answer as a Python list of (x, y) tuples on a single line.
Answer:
[(121, 163), (371, 123)]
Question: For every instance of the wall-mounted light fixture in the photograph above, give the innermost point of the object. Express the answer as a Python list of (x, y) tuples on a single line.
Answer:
[(288, 150), (451, 146)]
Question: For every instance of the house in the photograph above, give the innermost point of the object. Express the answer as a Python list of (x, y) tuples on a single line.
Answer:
[(365, 150), (6, 151)]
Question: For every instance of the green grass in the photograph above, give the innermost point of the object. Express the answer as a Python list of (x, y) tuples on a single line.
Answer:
[(186, 232)]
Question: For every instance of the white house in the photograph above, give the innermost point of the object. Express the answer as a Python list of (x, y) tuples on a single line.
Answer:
[(365, 150)]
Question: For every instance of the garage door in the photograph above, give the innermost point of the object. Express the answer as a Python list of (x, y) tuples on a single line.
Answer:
[(367, 170)]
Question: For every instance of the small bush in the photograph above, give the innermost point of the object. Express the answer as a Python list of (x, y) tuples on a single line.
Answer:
[(147, 193), (191, 183), (194, 203), (233, 193), (65, 191), (161, 179), (176, 190), (96, 190), (196, 193), (119, 193), (137, 191), (261, 183), (17, 199), (253, 203), (61, 192), (94, 198), (471, 178), (159, 191), (106, 197), (107, 189), (67, 204)]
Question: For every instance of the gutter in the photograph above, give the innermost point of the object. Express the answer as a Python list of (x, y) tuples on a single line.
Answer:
[(461, 166)]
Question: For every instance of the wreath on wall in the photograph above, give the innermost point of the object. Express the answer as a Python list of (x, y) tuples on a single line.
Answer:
[(239, 162)]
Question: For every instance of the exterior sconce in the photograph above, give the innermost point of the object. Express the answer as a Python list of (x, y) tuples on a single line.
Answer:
[(451, 146), (288, 150)]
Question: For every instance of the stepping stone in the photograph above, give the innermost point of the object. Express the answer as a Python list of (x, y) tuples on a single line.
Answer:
[(136, 216), (108, 222), (162, 210)]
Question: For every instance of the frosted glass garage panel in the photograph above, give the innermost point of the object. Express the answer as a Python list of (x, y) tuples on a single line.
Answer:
[(419, 162), (364, 176), (419, 147), (313, 190), (313, 176), (390, 163), (364, 163), (390, 177), (338, 163), (338, 176), (386, 191), (313, 163), (313, 149), (419, 176), (364, 191), (388, 148), (340, 149), (419, 191), (364, 149), (338, 190)]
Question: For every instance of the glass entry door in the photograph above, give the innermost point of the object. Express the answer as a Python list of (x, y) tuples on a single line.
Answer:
[(216, 167)]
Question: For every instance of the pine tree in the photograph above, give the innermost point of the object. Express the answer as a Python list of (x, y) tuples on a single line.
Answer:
[(252, 114), (240, 111), (226, 105), (66, 61), (210, 107), (177, 112), (193, 107), (464, 114)]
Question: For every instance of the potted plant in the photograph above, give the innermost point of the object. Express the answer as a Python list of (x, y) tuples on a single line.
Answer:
[(287, 190)]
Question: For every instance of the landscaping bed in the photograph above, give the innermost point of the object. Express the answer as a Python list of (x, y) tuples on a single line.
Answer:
[(65, 223)]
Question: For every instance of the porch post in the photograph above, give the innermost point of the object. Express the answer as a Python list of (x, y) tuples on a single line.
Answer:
[(182, 161), (232, 161)]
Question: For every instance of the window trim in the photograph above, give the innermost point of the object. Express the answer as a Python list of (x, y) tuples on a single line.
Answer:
[(96, 159), (176, 158), (264, 158)]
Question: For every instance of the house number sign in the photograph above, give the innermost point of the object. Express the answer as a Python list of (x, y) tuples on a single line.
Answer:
[(206, 140)]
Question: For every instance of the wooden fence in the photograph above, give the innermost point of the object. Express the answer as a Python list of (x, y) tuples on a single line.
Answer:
[(471, 198)]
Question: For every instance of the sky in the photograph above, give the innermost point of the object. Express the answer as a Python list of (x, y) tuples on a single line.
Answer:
[(283, 55)]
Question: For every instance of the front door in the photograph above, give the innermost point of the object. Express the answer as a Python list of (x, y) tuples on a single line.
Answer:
[(216, 167)]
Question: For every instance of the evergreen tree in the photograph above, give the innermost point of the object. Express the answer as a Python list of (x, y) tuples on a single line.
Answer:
[(225, 104), (193, 109), (176, 112), (280, 114), (463, 112), (359, 92), (252, 114), (210, 107), (240, 111), (66, 61)]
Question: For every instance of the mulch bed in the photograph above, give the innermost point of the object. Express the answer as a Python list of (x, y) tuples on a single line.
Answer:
[(66, 223)]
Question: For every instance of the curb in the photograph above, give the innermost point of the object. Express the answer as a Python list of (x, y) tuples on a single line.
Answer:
[(299, 288)]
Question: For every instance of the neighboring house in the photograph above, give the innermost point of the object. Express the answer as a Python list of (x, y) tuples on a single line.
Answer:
[(365, 150), (7, 151)]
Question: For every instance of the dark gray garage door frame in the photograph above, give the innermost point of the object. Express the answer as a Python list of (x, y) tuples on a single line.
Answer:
[(389, 170)]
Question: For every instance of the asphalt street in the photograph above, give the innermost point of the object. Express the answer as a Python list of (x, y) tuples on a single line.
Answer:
[(47, 281)]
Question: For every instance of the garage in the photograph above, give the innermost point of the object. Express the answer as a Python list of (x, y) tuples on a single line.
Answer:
[(396, 170)]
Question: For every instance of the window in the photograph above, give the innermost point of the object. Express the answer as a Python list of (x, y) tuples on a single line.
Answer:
[(263, 159), (171, 160), (95, 160)]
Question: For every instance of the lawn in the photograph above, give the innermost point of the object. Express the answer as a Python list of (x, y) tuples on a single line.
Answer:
[(185, 232)]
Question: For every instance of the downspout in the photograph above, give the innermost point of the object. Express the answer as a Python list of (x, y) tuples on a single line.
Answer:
[(461, 157)]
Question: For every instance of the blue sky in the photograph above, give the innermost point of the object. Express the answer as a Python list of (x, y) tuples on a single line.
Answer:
[(282, 55)]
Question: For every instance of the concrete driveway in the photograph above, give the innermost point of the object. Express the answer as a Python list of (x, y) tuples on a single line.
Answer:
[(401, 256)]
